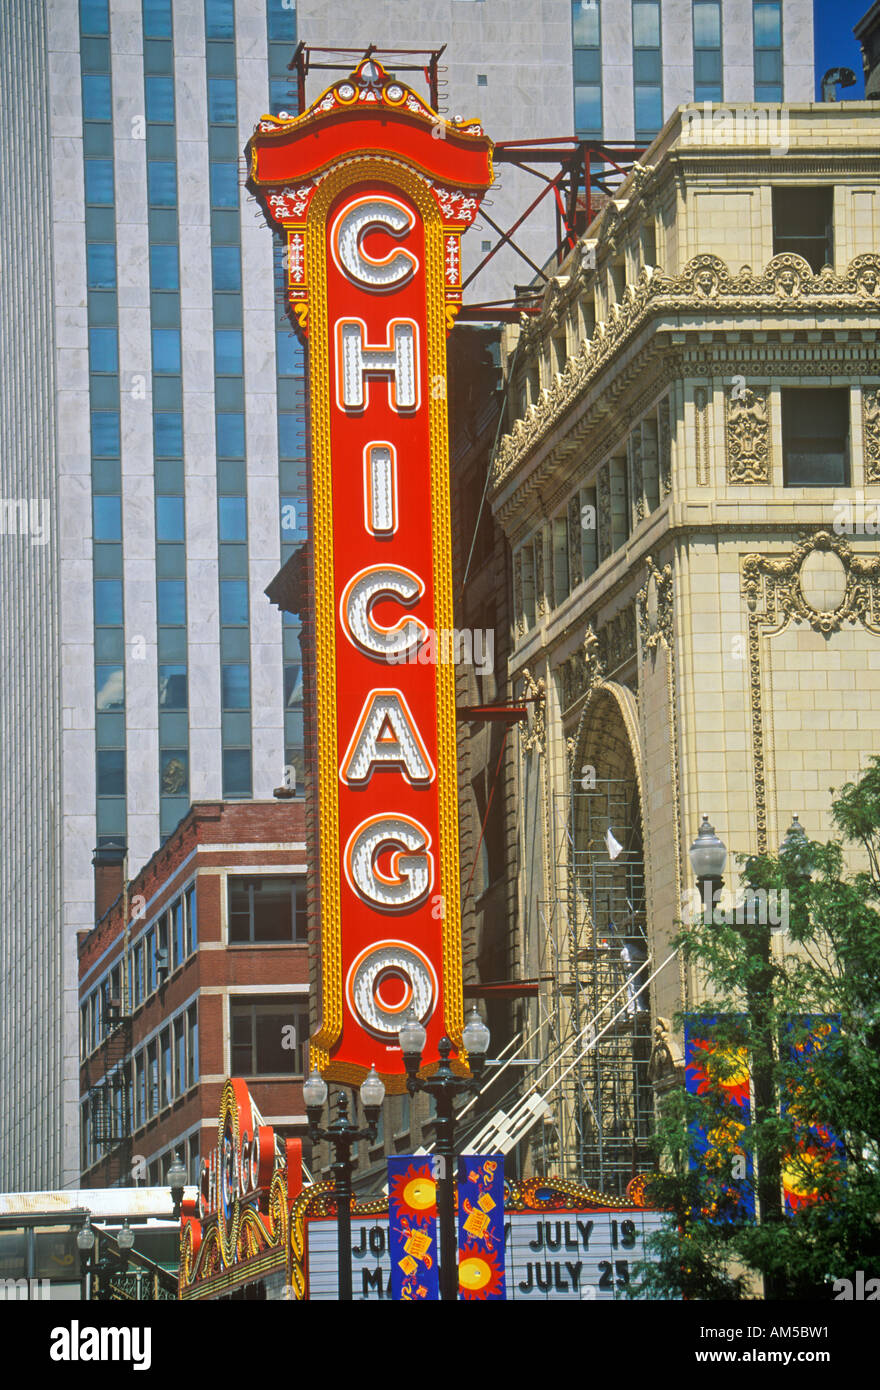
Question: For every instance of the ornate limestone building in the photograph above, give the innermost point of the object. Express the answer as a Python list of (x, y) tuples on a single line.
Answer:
[(690, 490)]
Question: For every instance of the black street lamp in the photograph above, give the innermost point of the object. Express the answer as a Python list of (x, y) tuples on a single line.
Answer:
[(444, 1086), (108, 1265), (343, 1135), (177, 1183)]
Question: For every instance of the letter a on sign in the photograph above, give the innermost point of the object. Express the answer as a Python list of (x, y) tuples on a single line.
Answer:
[(372, 207)]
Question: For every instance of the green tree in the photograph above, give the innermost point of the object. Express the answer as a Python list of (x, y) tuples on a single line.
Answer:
[(821, 1130)]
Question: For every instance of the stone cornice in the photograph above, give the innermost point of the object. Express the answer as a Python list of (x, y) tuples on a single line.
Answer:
[(691, 302)]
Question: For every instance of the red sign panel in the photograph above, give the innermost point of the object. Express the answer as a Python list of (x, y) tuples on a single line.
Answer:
[(374, 191)]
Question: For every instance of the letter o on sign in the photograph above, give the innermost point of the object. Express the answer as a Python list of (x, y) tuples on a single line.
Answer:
[(387, 979)]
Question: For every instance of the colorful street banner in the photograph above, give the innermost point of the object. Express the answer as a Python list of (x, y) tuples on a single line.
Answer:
[(817, 1158), (481, 1227), (412, 1228), (717, 1068), (373, 191)]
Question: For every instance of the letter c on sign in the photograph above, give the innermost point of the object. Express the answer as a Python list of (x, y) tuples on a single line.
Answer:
[(356, 612), (357, 218)]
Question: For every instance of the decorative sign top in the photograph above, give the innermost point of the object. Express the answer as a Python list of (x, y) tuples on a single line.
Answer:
[(373, 191)]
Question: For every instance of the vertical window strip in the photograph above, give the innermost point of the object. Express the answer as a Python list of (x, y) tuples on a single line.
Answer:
[(167, 414), (647, 68), (225, 197), (767, 34), (290, 389), (106, 473), (708, 51), (586, 33)]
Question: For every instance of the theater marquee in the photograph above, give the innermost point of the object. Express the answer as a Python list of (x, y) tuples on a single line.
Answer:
[(373, 191)]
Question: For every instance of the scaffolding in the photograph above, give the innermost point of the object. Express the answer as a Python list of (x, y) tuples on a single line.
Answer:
[(593, 944)]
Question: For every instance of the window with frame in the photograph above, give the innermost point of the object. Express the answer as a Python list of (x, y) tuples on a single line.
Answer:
[(815, 436), (767, 25), (263, 908), (268, 1037), (803, 223), (708, 84), (587, 68)]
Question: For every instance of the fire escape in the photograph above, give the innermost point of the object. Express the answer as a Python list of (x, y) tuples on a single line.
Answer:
[(111, 1096)]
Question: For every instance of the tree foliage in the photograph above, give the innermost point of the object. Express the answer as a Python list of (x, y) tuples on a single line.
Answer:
[(816, 1030)]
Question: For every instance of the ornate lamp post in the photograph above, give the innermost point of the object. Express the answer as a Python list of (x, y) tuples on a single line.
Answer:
[(343, 1135), (708, 856), (108, 1264), (444, 1086), (177, 1183)]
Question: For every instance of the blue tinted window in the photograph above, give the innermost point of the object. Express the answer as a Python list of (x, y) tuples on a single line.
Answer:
[(233, 602), (172, 687), (99, 181), (291, 435), (108, 602), (226, 266), (101, 261), (707, 24), (159, 92), (168, 433), (224, 185), (768, 24), (646, 24), (219, 19), (164, 272), (281, 97), (233, 518), (236, 772), (166, 350), (105, 433), (93, 17), (289, 354), (157, 19), (103, 350), (649, 113), (228, 360), (585, 24), (162, 183), (236, 682), (588, 109), (96, 97), (221, 100), (109, 688), (107, 518), (282, 20), (171, 602), (230, 436), (111, 771), (169, 519)]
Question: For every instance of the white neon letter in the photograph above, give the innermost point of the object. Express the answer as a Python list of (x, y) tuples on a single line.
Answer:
[(362, 629), (346, 240), (397, 358), (386, 735), (410, 872), (380, 489)]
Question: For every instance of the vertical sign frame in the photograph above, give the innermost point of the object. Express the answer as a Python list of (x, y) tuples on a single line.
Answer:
[(373, 192)]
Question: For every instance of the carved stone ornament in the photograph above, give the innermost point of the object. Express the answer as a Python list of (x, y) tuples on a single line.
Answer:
[(871, 432), (664, 445), (582, 672), (533, 737), (654, 607), (748, 433), (705, 282), (796, 587), (666, 1061)]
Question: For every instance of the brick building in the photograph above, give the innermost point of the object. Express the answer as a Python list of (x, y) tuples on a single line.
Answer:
[(197, 971)]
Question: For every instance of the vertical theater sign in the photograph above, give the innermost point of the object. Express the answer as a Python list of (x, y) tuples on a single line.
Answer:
[(372, 191)]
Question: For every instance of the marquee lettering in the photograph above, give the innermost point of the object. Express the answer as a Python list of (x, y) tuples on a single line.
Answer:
[(373, 207)]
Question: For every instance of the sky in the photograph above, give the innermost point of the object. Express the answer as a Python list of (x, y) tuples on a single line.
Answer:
[(835, 46)]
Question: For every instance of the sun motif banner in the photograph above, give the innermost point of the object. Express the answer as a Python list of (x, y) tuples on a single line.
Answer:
[(412, 1228), (717, 1069), (481, 1227), (815, 1163)]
